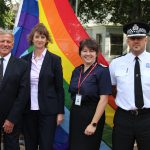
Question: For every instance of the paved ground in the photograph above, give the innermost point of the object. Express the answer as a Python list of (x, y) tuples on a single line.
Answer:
[(22, 148), (135, 148)]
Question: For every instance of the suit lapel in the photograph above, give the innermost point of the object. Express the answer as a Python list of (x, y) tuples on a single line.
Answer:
[(29, 61), (9, 70), (45, 64)]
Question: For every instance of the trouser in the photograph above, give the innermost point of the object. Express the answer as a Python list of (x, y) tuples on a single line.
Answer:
[(130, 126), (39, 130), (11, 140)]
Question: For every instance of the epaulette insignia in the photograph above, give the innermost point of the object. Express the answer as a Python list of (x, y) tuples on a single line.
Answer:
[(103, 65), (120, 55)]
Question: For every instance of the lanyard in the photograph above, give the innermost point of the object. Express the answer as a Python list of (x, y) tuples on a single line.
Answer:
[(79, 81)]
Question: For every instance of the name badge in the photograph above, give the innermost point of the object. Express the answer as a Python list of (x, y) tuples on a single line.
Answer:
[(78, 99), (147, 65)]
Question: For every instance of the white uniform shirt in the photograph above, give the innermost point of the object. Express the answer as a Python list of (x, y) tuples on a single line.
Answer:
[(34, 79), (122, 75)]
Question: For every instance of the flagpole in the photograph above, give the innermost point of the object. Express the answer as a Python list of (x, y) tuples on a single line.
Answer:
[(76, 7), (18, 14)]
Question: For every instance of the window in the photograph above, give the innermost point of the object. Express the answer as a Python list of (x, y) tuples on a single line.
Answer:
[(116, 41), (99, 41)]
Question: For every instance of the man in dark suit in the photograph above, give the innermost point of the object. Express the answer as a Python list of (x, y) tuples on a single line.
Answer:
[(13, 83)]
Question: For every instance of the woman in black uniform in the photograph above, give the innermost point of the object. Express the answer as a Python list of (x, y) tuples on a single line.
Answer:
[(89, 87)]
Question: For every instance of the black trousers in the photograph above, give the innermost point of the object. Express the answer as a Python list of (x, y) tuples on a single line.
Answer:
[(128, 127), (39, 131), (10, 141)]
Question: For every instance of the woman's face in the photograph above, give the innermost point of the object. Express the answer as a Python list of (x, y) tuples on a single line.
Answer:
[(88, 55), (39, 40)]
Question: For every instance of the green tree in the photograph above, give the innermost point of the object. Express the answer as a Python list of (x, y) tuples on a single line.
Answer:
[(6, 14), (130, 10), (116, 11)]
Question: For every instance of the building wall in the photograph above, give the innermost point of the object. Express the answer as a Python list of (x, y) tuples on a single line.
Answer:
[(106, 31)]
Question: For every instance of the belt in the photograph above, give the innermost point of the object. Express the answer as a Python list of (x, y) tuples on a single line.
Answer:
[(136, 112)]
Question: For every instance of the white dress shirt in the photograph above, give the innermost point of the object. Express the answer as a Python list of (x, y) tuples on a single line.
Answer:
[(34, 79), (122, 75), (5, 62)]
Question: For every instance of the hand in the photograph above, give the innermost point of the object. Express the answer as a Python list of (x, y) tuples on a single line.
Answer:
[(8, 126), (60, 118), (90, 130)]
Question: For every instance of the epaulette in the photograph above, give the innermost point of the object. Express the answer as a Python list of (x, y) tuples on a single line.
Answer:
[(102, 65), (120, 55)]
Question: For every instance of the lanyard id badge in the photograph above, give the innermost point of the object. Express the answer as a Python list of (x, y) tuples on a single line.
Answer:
[(78, 99), (79, 81), (79, 96)]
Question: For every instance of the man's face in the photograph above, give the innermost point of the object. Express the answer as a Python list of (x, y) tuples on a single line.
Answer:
[(137, 44), (6, 44)]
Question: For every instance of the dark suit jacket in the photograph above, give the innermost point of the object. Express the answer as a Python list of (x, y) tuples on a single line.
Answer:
[(13, 95), (50, 86)]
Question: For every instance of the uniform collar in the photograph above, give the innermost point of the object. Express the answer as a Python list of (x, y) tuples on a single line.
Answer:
[(132, 56), (142, 56)]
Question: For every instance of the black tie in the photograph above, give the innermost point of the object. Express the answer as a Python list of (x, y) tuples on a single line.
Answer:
[(139, 103), (1, 69)]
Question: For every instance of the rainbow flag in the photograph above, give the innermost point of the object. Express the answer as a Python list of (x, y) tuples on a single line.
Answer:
[(66, 32)]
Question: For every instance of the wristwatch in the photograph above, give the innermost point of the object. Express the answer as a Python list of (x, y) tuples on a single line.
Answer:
[(94, 124)]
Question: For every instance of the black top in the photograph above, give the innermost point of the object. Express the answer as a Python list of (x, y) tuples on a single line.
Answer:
[(97, 83)]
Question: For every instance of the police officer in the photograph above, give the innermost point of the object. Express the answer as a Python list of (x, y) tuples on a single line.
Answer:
[(90, 86), (130, 76)]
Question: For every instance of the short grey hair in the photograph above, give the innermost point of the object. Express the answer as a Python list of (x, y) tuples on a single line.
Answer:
[(2, 31)]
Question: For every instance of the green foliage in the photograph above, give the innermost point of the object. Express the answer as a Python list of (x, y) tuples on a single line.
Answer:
[(6, 14), (125, 11), (94, 10), (115, 11)]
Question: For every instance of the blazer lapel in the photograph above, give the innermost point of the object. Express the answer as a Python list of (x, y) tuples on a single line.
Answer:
[(45, 63), (9, 70)]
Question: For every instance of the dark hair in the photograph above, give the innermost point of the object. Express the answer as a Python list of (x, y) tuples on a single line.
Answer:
[(89, 43), (41, 29)]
